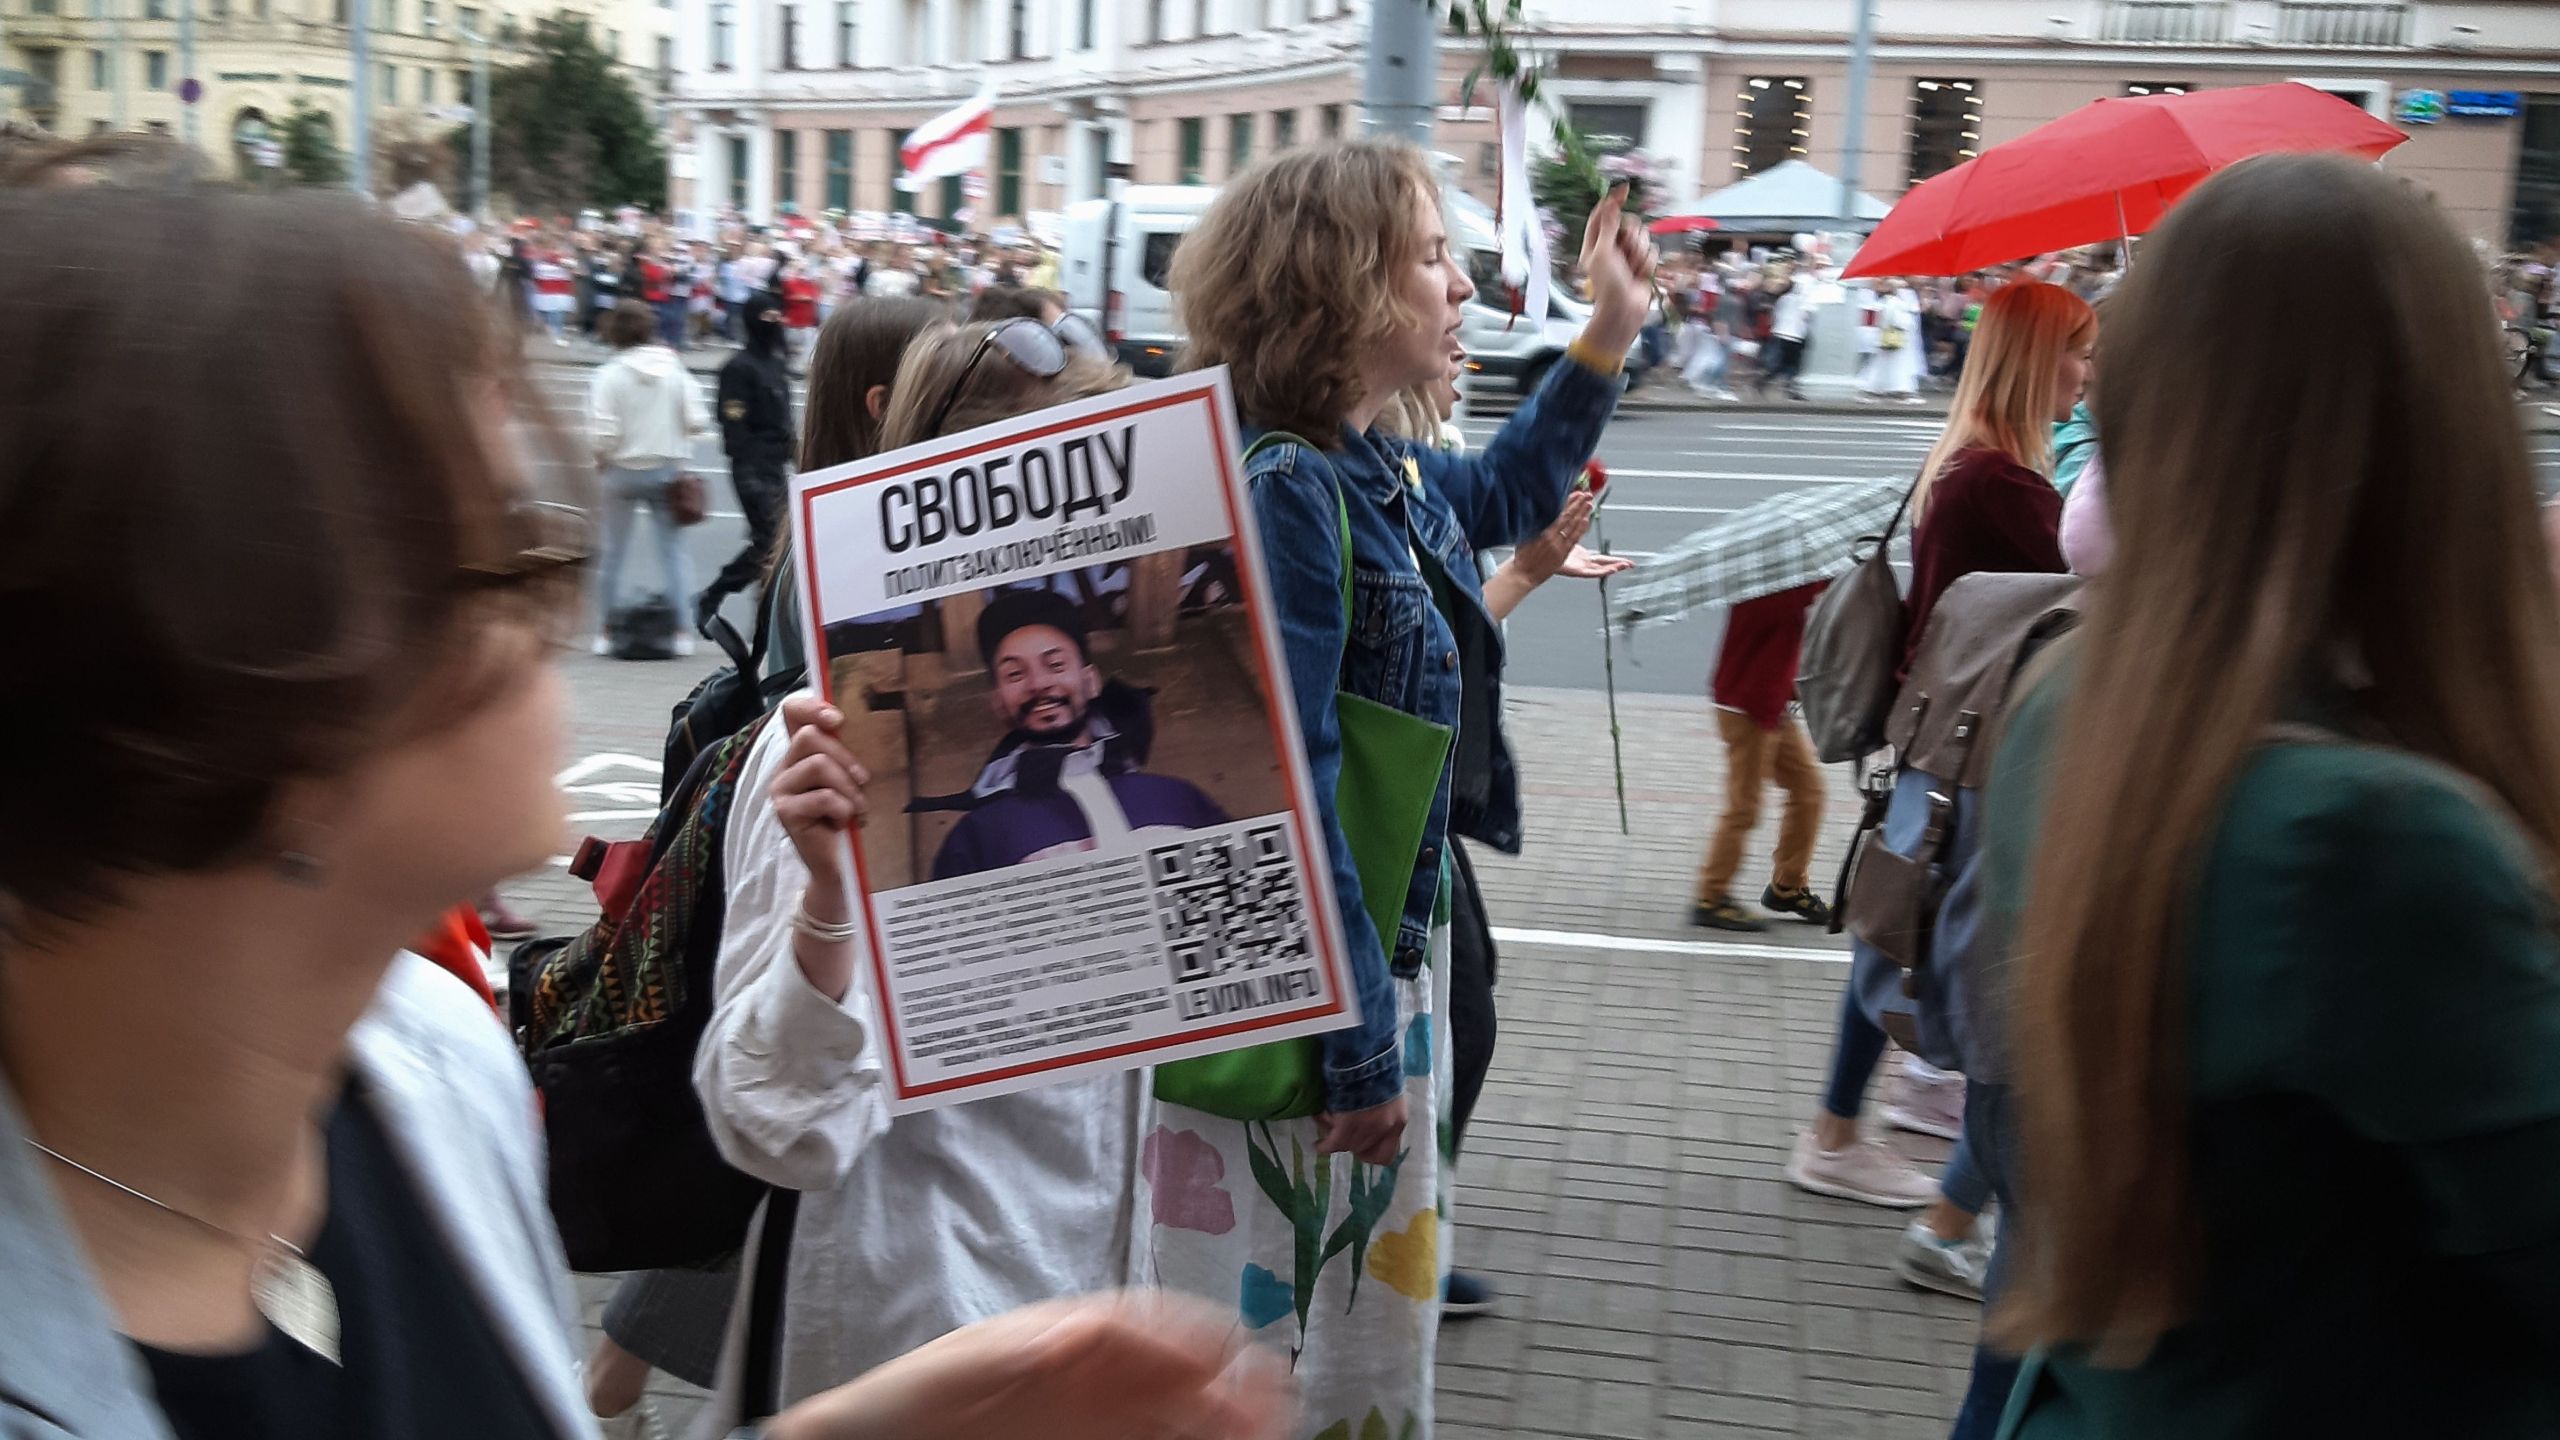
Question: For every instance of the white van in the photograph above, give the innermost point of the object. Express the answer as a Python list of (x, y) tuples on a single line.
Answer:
[(1114, 262), (1512, 353)]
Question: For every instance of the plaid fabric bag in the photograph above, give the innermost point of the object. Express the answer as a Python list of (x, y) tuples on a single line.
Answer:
[(608, 1020)]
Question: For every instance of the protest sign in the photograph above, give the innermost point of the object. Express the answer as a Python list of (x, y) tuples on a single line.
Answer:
[(1092, 840)]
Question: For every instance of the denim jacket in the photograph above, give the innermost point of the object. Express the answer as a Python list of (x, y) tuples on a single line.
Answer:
[(1405, 501)]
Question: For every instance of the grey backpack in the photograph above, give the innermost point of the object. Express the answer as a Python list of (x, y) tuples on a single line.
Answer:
[(1853, 643)]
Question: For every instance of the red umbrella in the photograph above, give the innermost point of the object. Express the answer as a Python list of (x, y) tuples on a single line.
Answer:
[(2106, 171), (1682, 225)]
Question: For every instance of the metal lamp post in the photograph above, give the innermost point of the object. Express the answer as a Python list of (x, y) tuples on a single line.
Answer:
[(479, 117)]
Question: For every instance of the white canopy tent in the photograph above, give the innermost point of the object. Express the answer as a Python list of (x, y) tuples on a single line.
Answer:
[(1783, 199)]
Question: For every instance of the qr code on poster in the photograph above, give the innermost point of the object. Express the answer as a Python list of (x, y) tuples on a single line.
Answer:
[(1229, 903)]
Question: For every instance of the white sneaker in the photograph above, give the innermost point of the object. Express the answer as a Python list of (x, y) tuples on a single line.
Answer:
[(684, 647), (640, 1422), (602, 646), (1950, 1267), (1924, 1101), (1868, 1171)]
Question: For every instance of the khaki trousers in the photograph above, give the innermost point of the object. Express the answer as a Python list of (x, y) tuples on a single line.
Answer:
[(1753, 759)]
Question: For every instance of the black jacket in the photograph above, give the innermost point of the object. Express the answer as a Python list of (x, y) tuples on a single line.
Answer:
[(755, 396)]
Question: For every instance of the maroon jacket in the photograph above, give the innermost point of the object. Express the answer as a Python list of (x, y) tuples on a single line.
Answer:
[(1756, 669), (1987, 512)]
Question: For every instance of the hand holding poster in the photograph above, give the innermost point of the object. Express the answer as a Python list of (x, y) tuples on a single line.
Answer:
[(1091, 842)]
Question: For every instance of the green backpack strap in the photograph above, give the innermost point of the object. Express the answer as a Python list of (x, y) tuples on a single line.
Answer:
[(1341, 510)]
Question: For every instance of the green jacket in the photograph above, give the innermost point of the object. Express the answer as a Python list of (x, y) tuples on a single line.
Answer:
[(2373, 1056), (2075, 441)]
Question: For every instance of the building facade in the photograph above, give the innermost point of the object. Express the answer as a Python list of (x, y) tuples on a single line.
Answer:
[(106, 65), (801, 104)]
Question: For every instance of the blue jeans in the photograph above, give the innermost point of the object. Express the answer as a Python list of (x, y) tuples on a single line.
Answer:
[(1991, 1135), (1855, 1054), (627, 493), (671, 323)]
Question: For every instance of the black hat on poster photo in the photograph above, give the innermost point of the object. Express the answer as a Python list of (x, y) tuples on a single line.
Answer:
[(1013, 610)]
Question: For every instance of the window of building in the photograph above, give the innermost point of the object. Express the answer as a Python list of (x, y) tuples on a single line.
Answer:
[(1239, 143), (97, 69), (613, 46), (337, 12), (1610, 125), (427, 16), (462, 88), (2165, 22), (44, 7), (1018, 29), (1084, 24), (839, 169), (724, 34), (1488, 159), (1284, 129), (848, 35), (155, 9), (790, 37), (390, 84), (2536, 217), (1946, 125), (1155, 21), (1333, 122), (1199, 17), (1772, 116), (786, 169), (508, 30), (966, 41), (2159, 87), (1194, 134), (155, 69), (46, 66), (917, 33), (469, 15), (737, 147), (1008, 172), (666, 60), (955, 195), (426, 86)]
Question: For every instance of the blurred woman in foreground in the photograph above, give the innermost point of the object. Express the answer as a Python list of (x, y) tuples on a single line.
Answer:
[(2283, 827), (276, 625)]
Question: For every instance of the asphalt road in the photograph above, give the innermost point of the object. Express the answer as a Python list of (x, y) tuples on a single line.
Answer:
[(1672, 471)]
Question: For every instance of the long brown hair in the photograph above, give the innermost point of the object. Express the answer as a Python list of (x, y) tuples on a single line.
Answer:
[(2299, 487), (2012, 379), (859, 347), (1290, 278)]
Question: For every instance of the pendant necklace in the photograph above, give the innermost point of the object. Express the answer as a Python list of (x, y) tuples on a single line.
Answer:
[(289, 1291)]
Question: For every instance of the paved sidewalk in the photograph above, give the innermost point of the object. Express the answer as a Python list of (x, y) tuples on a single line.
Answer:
[(1621, 1187)]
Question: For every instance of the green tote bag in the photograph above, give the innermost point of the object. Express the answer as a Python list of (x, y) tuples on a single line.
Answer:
[(1391, 765)]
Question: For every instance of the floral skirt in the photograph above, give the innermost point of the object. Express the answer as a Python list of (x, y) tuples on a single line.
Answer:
[(1334, 1262)]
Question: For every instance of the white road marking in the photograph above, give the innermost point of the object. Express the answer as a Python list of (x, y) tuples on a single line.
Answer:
[(602, 761), (1727, 949)]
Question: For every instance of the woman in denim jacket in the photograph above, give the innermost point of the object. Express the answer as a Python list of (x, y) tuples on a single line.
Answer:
[(1324, 281)]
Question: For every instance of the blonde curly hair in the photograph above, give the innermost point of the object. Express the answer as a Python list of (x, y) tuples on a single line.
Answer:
[(1288, 279)]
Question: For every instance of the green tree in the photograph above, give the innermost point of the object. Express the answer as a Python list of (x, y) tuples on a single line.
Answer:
[(567, 129), (311, 154)]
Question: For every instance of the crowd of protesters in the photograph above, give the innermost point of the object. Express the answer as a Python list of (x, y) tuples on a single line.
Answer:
[(565, 277), (1741, 324), (2260, 887)]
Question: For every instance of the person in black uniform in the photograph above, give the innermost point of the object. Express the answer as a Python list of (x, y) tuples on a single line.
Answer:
[(756, 432)]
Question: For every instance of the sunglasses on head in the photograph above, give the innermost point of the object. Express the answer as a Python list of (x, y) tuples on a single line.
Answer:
[(1040, 351)]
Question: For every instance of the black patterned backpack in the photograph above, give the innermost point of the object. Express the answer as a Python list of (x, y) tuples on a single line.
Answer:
[(608, 1020)]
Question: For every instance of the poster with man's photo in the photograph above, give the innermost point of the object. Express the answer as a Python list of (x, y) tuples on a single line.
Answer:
[(1092, 842)]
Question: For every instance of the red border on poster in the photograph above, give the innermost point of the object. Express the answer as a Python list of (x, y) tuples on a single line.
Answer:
[(1249, 579)]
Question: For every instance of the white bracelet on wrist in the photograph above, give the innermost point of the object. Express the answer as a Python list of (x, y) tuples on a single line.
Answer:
[(817, 929)]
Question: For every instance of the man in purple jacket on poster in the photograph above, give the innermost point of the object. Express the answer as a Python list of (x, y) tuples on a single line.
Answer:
[(1067, 775)]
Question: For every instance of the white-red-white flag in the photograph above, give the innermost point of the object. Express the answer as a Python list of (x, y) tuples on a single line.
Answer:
[(951, 143)]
